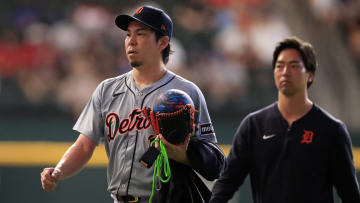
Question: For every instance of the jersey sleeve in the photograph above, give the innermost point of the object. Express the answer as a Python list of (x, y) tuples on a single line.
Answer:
[(203, 153), (343, 170), (237, 166), (90, 121), (204, 126)]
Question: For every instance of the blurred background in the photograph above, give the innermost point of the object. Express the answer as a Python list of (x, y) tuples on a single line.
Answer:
[(54, 53)]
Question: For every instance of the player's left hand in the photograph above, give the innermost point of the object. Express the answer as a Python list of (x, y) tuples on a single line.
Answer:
[(176, 152)]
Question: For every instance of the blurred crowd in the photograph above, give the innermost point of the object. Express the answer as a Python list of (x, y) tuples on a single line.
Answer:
[(344, 15), (224, 46)]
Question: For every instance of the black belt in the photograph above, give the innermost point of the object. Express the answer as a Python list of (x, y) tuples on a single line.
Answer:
[(127, 198)]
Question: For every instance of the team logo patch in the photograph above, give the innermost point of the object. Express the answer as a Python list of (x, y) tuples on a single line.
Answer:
[(163, 27), (206, 128), (307, 137)]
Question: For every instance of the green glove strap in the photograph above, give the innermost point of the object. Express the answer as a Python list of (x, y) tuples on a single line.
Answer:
[(161, 162)]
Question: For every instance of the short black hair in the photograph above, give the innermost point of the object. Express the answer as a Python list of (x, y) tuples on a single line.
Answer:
[(165, 52), (305, 49)]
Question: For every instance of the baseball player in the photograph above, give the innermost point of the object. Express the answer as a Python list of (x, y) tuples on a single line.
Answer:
[(293, 150), (114, 113)]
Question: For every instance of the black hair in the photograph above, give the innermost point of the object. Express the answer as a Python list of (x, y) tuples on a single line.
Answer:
[(165, 52), (305, 49)]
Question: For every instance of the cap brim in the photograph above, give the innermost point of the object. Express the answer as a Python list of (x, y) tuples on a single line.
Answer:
[(122, 21)]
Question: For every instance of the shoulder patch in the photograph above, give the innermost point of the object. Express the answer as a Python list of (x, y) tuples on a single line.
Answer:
[(206, 128)]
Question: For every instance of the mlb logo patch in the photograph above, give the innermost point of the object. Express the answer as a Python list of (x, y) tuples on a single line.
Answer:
[(206, 128)]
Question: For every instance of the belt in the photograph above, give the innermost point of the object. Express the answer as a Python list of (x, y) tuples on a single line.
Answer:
[(127, 198)]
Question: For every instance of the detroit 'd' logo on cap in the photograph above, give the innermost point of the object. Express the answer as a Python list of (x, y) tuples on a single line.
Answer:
[(138, 11), (163, 27)]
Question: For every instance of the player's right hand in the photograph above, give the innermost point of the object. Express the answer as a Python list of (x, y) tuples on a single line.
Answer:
[(49, 178)]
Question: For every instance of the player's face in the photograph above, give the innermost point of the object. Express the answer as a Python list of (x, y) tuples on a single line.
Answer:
[(290, 73), (140, 44)]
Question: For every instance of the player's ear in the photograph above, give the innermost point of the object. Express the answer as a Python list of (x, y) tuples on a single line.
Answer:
[(163, 42), (311, 76)]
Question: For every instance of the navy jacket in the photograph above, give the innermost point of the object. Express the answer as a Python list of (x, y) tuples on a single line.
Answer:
[(294, 164)]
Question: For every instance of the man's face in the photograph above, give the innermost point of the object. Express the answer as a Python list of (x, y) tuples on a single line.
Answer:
[(140, 44), (290, 73)]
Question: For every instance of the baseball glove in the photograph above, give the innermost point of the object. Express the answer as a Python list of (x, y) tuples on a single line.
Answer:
[(172, 116)]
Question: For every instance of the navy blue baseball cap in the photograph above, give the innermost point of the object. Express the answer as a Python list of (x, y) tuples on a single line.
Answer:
[(153, 17)]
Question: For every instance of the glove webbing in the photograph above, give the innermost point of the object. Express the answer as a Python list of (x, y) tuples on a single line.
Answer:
[(180, 122), (161, 162)]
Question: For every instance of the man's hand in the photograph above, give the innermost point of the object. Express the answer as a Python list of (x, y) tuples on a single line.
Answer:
[(49, 178), (175, 152)]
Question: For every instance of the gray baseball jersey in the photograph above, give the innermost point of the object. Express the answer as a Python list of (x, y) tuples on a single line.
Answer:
[(114, 115)]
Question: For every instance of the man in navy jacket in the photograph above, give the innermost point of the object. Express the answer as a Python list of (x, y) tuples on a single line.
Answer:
[(293, 150)]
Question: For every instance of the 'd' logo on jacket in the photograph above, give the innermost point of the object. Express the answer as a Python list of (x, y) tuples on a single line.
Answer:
[(307, 137)]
